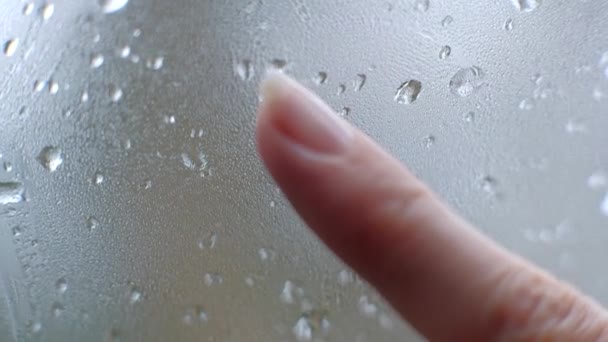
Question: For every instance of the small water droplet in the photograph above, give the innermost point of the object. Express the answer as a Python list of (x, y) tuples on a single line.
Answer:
[(92, 223), (278, 64), (28, 8), (469, 117), (155, 63), (61, 285), (341, 89), (386, 322), (135, 295), (135, 59), (604, 205), (96, 60), (320, 78), (244, 70), (445, 52), (366, 307), (526, 5), (53, 87), (209, 242), (598, 180), (57, 309), (508, 25), (213, 279), (11, 193), (10, 47), (489, 185), (38, 86), (408, 92), (17, 231), (429, 141), (467, 81), (302, 330), (34, 327), (124, 51), (575, 127), (290, 290), (47, 10), (111, 6), (194, 315), (344, 112), (422, 5), (8, 167), (447, 21), (249, 281), (527, 104), (266, 254), (359, 82), (345, 277), (115, 93), (50, 158)]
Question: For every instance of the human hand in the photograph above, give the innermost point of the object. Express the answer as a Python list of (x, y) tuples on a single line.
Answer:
[(444, 277)]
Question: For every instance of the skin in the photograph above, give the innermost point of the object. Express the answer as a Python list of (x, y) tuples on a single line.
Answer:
[(450, 282)]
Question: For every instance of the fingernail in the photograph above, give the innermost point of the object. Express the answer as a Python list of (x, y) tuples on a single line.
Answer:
[(301, 116)]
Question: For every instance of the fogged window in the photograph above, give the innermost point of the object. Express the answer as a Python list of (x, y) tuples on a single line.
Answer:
[(133, 206)]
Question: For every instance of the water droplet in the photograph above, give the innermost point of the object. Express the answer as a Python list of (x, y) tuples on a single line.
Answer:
[(92, 223), (508, 26), (17, 231), (345, 277), (575, 127), (278, 64), (386, 322), (115, 93), (194, 315), (61, 285), (110, 6), (137, 33), (169, 119), (124, 52), (408, 92), (96, 60), (213, 279), (604, 205), (359, 82), (526, 5), (341, 89), (302, 330), (266, 254), (527, 104), (50, 158), (447, 21), (249, 281), (28, 8), (422, 5), (11, 193), (8, 167), (366, 307), (209, 242), (445, 52), (469, 117), (47, 11), (489, 185), (135, 295), (53, 87), (38, 86), (320, 78), (597, 181), (135, 59), (34, 327), (10, 47), (467, 81), (57, 309), (429, 141), (155, 63), (289, 291), (344, 112), (244, 70)]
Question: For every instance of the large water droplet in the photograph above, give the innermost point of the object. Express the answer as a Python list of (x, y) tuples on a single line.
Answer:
[(28, 8), (526, 5), (51, 158), (53, 87), (110, 6), (10, 47), (11, 192), (408, 92), (467, 81), (47, 11)]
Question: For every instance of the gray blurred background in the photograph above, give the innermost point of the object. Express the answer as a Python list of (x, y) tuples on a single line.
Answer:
[(133, 206)]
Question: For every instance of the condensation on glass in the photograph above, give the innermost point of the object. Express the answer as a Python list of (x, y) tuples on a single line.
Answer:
[(133, 205)]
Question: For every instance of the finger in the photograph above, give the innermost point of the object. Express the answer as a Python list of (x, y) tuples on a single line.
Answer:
[(450, 282)]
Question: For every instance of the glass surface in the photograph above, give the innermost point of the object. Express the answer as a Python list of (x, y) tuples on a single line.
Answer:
[(133, 206)]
